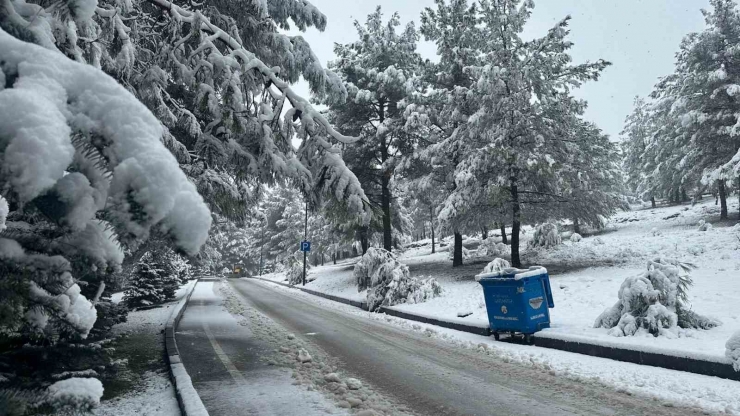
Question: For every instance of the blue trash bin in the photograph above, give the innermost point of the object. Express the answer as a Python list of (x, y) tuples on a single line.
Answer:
[(517, 301)]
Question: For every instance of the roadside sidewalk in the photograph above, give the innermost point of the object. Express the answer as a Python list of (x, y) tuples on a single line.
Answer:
[(698, 365)]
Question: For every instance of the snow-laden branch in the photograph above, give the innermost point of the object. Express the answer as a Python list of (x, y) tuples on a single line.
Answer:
[(307, 113)]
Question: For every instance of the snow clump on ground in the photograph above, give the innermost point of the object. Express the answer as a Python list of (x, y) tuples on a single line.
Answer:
[(704, 226), (389, 281), (575, 237), (733, 350), (654, 301), (545, 235)]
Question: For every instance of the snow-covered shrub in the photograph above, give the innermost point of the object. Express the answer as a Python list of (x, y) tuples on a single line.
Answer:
[(704, 226), (490, 248), (74, 395), (598, 241), (388, 281), (451, 252), (150, 285), (294, 268), (732, 350), (655, 232), (654, 301), (545, 235), (496, 265), (575, 237)]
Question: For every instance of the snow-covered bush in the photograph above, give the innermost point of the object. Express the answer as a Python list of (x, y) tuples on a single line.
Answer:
[(150, 285), (654, 301), (451, 252), (575, 238), (732, 350), (704, 226), (490, 248), (388, 281), (545, 235), (294, 268), (496, 266), (74, 395)]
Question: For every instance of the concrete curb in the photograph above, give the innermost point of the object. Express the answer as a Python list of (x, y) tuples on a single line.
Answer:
[(187, 398), (671, 362)]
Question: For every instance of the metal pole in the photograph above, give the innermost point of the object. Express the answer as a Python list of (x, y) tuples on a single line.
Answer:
[(305, 237)]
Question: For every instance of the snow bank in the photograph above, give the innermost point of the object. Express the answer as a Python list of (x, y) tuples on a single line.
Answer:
[(75, 395), (389, 281), (733, 350), (654, 301), (54, 99)]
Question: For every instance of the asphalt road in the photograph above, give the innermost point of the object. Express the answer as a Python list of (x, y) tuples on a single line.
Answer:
[(431, 377)]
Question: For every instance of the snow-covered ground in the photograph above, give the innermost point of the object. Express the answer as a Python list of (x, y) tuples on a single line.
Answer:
[(140, 340), (586, 277)]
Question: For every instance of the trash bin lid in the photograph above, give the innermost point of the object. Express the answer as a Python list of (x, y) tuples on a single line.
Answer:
[(512, 273)]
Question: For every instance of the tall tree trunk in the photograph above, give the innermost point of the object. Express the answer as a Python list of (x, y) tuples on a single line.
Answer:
[(722, 200), (457, 257), (503, 234), (363, 240), (576, 226), (484, 233), (684, 195), (431, 224), (652, 201), (385, 198), (516, 223)]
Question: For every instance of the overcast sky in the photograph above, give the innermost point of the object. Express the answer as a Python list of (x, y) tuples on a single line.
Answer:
[(639, 37)]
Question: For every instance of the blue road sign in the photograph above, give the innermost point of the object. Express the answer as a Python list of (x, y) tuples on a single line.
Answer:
[(305, 246)]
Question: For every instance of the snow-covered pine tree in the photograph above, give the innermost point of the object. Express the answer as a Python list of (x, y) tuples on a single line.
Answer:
[(441, 102), (376, 70), (707, 88), (636, 135), (217, 76), (522, 91), (84, 175)]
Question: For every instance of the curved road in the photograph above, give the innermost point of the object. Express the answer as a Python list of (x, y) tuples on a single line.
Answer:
[(430, 377)]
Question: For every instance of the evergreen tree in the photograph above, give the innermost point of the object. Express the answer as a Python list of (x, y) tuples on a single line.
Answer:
[(376, 70)]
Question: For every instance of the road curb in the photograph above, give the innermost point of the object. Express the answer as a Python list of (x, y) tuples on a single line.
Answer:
[(671, 362), (187, 398)]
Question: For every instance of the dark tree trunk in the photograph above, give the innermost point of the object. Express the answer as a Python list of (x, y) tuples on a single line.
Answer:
[(515, 224), (576, 226), (652, 201), (684, 195), (503, 234), (385, 178), (484, 232), (431, 224), (722, 200), (457, 258), (334, 258)]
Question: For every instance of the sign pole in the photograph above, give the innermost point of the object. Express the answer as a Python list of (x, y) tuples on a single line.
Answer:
[(305, 238)]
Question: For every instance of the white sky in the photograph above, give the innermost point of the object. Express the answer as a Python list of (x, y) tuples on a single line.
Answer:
[(639, 37)]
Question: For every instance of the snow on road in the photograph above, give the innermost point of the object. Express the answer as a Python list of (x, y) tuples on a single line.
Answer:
[(669, 387)]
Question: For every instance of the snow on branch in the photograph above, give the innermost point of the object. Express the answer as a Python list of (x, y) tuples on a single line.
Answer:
[(311, 118)]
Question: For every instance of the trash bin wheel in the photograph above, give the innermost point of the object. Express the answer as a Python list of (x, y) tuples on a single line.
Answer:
[(496, 335)]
